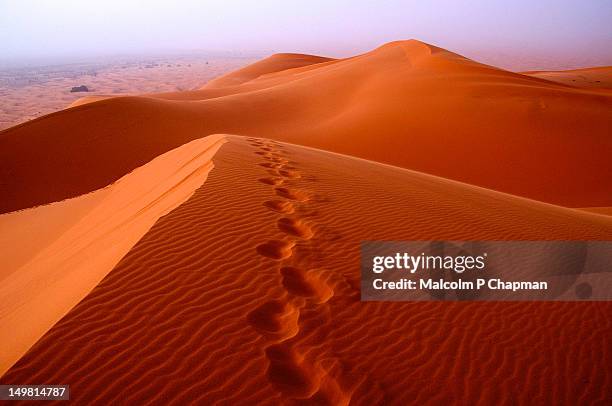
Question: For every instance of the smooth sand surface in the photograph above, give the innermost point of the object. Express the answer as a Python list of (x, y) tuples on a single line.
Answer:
[(406, 103), (248, 293), (62, 250)]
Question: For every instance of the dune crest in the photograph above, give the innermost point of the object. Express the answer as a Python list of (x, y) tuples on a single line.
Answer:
[(64, 249), (271, 64), (89, 99)]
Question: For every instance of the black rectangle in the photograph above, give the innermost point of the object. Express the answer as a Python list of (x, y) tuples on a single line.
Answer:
[(486, 270)]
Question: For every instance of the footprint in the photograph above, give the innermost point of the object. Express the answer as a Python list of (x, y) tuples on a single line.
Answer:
[(289, 372), (271, 181), (275, 317), (276, 159), (280, 206), (289, 174), (292, 194), (295, 227), (270, 165), (276, 249), (306, 284)]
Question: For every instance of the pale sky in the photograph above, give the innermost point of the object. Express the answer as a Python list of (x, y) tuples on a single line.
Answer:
[(554, 32)]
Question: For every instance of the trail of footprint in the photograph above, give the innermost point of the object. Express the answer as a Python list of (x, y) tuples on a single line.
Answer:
[(289, 371)]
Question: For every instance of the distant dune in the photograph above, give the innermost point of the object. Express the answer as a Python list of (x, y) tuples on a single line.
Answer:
[(597, 78), (209, 246), (272, 64)]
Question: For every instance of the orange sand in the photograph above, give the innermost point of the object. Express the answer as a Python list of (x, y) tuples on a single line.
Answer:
[(248, 292), (406, 103)]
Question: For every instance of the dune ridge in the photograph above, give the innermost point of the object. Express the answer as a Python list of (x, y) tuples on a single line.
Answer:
[(196, 310), (406, 103), (64, 249)]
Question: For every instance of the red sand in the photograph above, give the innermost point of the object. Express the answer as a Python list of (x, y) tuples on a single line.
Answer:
[(199, 314), (249, 291)]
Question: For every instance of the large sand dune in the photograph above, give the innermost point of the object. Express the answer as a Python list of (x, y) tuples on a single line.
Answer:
[(249, 293), (406, 103), (225, 268)]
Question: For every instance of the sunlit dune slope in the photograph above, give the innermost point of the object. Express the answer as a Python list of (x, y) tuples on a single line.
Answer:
[(248, 293), (53, 255), (406, 103)]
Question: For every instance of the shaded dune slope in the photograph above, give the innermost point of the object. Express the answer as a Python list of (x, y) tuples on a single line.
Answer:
[(406, 103), (249, 293)]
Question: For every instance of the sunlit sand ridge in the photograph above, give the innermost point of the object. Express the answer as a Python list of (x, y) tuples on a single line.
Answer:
[(61, 251)]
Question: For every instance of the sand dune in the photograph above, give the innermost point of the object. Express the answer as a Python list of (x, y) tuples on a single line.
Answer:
[(406, 103), (272, 64), (162, 276), (61, 251), (249, 293)]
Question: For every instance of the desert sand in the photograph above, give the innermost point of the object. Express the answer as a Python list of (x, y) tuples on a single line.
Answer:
[(242, 286), (406, 103), (32, 91)]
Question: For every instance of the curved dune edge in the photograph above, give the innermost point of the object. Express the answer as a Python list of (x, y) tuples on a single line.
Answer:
[(74, 243), (91, 99)]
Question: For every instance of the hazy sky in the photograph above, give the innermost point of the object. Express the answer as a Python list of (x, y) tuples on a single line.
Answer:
[(557, 31)]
